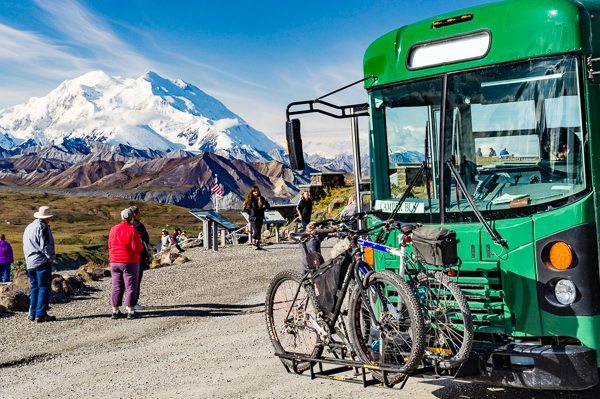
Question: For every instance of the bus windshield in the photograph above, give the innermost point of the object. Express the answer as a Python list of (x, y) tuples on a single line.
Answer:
[(513, 130)]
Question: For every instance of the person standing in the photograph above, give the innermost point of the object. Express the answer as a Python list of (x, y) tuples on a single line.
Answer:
[(124, 247), (165, 240), (145, 254), (38, 248), (255, 204), (304, 208), (6, 259)]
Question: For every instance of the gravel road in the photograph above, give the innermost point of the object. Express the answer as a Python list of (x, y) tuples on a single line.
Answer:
[(202, 335)]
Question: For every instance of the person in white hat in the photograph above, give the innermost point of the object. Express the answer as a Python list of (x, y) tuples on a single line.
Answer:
[(38, 248)]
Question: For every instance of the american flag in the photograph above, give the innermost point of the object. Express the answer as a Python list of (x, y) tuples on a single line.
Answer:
[(216, 188)]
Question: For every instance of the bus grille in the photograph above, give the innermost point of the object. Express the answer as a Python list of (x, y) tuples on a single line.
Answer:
[(483, 290)]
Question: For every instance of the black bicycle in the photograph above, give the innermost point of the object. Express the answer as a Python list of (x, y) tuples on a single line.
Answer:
[(375, 316)]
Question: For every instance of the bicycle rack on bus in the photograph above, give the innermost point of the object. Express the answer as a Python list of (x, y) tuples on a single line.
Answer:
[(344, 365), (431, 371)]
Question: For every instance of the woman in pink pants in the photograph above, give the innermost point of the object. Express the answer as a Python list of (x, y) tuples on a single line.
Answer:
[(124, 247)]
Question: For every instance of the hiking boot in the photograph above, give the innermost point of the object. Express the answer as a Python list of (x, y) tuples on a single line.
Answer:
[(117, 315), (31, 317), (46, 318), (132, 315), (138, 306)]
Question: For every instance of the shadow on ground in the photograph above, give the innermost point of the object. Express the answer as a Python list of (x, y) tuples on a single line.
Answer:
[(187, 310), (452, 389), (84, 293), (203, 309)]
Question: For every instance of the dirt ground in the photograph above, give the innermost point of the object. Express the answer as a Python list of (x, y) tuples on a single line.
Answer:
[(202, 335)]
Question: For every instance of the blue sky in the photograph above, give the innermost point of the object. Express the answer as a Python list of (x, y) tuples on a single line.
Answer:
[(255, 57)]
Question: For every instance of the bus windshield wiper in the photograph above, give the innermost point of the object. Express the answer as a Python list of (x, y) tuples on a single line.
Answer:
[(496, 237)]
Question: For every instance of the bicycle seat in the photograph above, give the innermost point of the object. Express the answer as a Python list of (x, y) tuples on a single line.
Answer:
[(406, 228), (298, 236)]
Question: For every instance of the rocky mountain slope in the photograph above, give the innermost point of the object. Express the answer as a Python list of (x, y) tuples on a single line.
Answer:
[(183, 180)]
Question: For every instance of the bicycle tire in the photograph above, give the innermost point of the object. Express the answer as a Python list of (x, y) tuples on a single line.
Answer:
[(448, 321), (284, 334), (403, 332)]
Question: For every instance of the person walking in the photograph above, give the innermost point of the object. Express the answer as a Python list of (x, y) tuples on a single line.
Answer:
[(6, 259), (145, 254), (124, 247), (38, 248), (304, 208), (165, 240), (255, 204)]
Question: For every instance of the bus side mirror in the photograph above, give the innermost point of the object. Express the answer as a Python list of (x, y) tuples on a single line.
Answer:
[(294, 143)]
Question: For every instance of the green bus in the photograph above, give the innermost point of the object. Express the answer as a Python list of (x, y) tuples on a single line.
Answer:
[(508, 93)]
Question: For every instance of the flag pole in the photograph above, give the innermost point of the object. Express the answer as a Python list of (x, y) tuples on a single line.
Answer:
[(216, 195)]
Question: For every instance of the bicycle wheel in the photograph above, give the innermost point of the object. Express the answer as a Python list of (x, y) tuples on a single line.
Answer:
[(292, 319), (395, 339), (448, 320)]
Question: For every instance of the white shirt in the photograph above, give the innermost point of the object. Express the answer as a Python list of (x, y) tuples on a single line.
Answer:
[(165, 241)]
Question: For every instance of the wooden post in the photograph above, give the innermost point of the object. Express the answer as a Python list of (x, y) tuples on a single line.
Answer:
[(276, 234), (223, 233), (215, 236), (206, 233)]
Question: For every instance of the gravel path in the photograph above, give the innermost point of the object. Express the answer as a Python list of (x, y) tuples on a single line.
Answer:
[(202, 336)]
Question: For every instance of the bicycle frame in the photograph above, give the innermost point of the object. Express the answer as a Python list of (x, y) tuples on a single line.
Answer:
[(359, 267)]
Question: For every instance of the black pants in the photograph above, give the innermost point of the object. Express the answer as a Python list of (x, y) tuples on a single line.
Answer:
[(256, 228), (144, 265)]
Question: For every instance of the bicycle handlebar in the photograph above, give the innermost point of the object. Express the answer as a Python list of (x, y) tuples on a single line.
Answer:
[(341, 226)]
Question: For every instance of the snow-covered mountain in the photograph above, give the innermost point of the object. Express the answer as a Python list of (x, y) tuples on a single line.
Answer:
[(342, 162), (150, 113)]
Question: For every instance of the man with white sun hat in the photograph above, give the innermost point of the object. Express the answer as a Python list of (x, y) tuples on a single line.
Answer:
[(38, 248)]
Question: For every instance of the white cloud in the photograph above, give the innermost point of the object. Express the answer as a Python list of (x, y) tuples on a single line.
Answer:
[(82, 28), (30, 52)]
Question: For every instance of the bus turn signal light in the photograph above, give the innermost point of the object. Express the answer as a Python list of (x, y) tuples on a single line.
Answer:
[(369, 256), (560, 256)]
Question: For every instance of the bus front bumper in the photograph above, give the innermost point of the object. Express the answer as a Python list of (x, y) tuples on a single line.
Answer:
[(532, 366)]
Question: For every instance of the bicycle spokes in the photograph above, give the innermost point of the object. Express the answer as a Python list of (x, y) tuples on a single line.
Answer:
[(388, 336), (448, 322), (293, 316)]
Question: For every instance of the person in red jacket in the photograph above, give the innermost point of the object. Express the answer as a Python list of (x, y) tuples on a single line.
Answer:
[(124, 247)]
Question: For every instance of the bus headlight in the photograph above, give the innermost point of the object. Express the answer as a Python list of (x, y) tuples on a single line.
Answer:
[(565, 292)]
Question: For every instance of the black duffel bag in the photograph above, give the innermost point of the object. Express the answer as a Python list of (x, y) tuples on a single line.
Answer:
[(328, 279), (435, 246)]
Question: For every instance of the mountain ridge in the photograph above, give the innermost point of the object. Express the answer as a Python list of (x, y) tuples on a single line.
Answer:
[(149, 113)]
